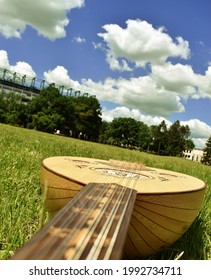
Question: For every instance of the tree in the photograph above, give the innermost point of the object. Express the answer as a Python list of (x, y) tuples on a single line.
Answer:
[(45, 101), (104, 132), (178, 138), (87, 117), (189, 145), (50, 110), (124, 132), (3, 108), (144, 136), (79, 115), (206, 159), (12, 110), (171, 141), (159, 134), (47, 122)]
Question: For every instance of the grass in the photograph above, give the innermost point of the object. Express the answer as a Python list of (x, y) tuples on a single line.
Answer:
[(21, 202)]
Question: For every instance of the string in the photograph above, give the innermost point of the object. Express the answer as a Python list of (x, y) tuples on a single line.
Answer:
[(106, 179), (101, 179), (101, 238)]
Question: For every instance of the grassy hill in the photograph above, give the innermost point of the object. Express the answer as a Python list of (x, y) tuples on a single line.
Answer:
[(21, 204)]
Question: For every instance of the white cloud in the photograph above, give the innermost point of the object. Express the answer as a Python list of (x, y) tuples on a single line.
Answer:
[(204, 84), (115, 64), (182, 80), (199, 142), (140, 93), (60, 76), (20, 67), (141, 43), (98, 46), (198, 128), (79, 40), (124, 112), (177, 78), (143, 93), (200, 132), (23, 68), (4, 61), (112, 59), (109, 115), (48, 17)]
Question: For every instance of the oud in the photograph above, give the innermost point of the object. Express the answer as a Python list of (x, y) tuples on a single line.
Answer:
[(111, 209)]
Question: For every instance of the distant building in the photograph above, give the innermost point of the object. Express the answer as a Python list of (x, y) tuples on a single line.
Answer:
[(195, 154), (28, 87)]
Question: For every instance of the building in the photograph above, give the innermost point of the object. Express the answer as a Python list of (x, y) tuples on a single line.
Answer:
[(195, 154), (28, 87)]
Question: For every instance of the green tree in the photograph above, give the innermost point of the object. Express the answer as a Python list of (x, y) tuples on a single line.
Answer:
[(47, 122), (50, 110), (78, 115), (178, 139), (45, 101), (144, 136), (189, 145), (12, 110), (88, 120), (104, 132), (171, 141), (3, 108), (159, 134), (206, 159), (124, 132)]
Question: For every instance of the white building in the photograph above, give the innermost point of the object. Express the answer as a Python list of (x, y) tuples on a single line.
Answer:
[(195, 154)]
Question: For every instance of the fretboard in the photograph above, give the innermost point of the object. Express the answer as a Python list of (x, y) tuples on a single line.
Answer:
[(93, 225)]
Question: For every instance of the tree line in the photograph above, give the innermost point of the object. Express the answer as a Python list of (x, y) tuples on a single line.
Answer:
[(129, 133), (81, 117), (50, 111)]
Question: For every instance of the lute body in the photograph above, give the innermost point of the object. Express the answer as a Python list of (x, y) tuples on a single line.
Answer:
[(165, 205)]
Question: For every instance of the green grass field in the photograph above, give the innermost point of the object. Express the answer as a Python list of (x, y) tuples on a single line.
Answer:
[(21, 202)]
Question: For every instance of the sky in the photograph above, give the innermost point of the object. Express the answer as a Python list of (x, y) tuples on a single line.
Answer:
[(145, 59)]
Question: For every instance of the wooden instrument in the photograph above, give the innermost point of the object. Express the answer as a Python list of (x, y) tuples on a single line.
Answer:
[(111, 209)]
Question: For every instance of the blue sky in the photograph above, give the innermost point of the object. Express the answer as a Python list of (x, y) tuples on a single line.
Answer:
[(146, 59)]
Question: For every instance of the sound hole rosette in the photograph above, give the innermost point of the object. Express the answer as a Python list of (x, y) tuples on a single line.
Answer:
[(122, 173)]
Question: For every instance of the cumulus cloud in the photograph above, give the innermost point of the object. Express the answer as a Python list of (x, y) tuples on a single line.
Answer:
[(200, 132), (23, 68), (60, 76), (200, 142), (140, 93), (116, 64), (4, 60), (124, 112), (109, 115), (177, 78), (161, 92), (182, 80), (48, 17), (204, 84), (141, 43), (198, 128), (20, 67)]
